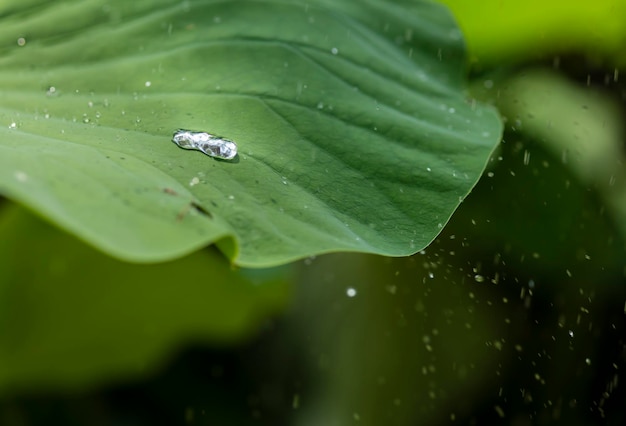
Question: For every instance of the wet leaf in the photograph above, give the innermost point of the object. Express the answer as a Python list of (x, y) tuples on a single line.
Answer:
[(353, 130)]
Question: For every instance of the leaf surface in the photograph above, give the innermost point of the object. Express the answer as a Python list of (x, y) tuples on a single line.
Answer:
[(353, 130)]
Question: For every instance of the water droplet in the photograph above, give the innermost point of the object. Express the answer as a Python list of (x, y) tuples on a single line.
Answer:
[(20, 176), (455, 34), (334, 50), (211, 145)]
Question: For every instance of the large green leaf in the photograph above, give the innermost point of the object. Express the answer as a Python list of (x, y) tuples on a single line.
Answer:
[(72, 317), (352, 126)]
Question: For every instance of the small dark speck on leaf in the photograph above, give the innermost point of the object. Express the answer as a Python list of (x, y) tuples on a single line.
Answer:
[(201, 209), (192, 204)]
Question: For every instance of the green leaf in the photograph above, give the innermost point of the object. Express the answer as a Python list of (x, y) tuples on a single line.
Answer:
[(71, 316), (516, 30), (354, 133)]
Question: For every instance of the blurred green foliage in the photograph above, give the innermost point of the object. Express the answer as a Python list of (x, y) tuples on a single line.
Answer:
[(508, 31), (72, 317)]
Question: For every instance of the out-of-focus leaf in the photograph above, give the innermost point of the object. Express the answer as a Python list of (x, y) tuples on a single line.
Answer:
[(580, 126), (395, 339), (499, 30), (72, 317)]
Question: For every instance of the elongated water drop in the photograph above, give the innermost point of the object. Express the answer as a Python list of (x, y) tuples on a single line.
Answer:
[(211, 145)]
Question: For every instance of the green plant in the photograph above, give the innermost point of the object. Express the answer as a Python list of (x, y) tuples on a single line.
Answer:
[(356, 133), (351, 137)]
